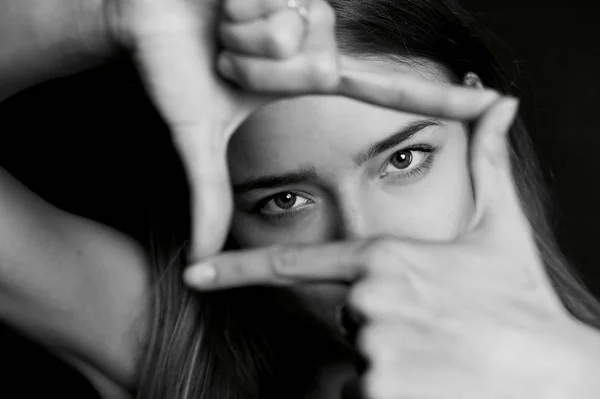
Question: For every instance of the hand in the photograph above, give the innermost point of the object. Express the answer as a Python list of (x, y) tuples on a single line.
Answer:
[(475, 317), (267, 49), (174, 43)]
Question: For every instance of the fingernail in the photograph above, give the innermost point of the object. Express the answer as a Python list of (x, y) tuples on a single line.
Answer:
[(200, 275), (225, 66)]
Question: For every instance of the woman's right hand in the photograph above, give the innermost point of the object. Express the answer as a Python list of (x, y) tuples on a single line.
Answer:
[(175, 45)]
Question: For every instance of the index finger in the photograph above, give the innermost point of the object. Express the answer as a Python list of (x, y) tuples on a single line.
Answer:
[(278, 265), (406, 92), (175, 55)]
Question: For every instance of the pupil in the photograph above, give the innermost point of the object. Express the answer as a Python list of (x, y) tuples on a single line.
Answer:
[(402, 159), (285, 201)]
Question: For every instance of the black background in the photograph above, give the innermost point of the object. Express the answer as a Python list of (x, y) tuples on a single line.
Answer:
[(551, 50)]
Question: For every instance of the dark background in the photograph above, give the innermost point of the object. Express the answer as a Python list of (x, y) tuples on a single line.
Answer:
[(551, 51)]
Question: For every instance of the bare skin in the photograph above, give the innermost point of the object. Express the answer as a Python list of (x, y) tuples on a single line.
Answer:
[(81, 288)]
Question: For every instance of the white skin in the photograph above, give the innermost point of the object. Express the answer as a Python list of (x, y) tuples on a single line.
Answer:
[(455, 296), (458, 306), (80, 288), (414, 187)]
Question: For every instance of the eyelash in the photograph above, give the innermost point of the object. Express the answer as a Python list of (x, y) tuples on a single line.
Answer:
[(281, 215), (425, 164)]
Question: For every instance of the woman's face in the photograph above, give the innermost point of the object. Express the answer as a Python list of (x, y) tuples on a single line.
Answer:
[(317, 168)]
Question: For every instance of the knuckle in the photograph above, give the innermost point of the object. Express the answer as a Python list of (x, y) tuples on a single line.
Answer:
[(284, 259), (399, 90), (322, 14), (376, 252), (447, 100), (244, 76), (227, 34), (281, 43), (233, 9), (324, 72)]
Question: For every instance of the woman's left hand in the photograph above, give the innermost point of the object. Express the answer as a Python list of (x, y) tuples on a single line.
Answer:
[(473, 318)]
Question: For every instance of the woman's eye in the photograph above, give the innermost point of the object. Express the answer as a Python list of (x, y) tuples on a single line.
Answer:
[(409, 162), (282, 203), (402, 159)]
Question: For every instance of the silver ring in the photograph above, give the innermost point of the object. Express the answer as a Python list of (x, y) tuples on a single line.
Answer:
[(300, 10)]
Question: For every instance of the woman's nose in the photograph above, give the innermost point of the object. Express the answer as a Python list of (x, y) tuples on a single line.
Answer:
[(351, 221)]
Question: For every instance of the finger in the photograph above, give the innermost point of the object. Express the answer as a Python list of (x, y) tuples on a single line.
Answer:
[(275, 266), (313, 70), (499, 217), (179, 78), (245, 10), (298, 75), (340, 262), (211, 199), (406, 92), (388, 297), (496, 199), (286, 265), (280, 35)]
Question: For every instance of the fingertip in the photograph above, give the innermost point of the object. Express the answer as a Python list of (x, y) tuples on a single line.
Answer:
[(496, 123), (506, 113), (514, 103), (202, 275), (511, 103), (493, 181), (489, 96)]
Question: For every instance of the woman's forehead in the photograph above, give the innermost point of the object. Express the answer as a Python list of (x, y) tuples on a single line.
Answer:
[(312, 128), (317, 129)]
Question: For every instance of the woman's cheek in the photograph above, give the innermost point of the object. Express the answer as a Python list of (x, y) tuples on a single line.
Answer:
[(313, 226), (436, 208)]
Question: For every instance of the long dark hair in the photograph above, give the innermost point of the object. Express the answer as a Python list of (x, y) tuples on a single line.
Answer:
[(442, 31), (219, 346)]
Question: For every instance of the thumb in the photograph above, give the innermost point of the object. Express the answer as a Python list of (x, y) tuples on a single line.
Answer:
[(210, 198), (496, 198), (498, 210), (173, 45)]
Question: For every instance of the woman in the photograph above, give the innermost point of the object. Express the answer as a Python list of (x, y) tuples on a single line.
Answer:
[(341, 170), (270, 212), (80, 288), (195, 364)]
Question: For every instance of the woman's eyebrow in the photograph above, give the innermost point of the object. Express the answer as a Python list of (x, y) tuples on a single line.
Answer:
[(273, 181), (390, 142)]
